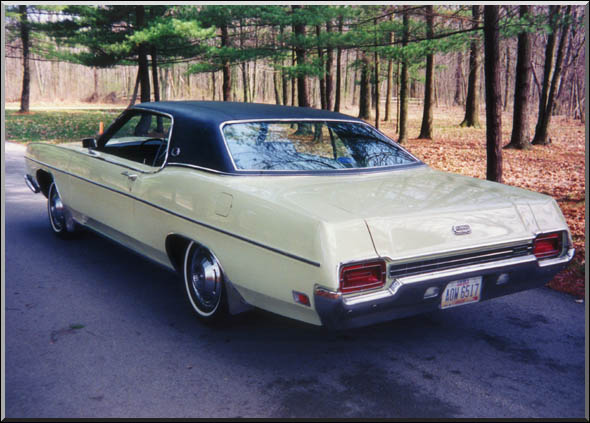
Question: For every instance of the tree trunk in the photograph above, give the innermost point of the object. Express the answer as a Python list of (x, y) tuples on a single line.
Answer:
[(580, 106), (549, 53), (377, 99), (493, 95), (365, 99), (164, 83), (226, 69), (388, 90), (134, 95), (338, 70), (213, 87), (329, 74), (299, 30), (293, 63), (567, 60), (24, 36), (244, 82), (472, 102), (403, 108), (346, 75), (520, 120), (541, 132), (426, 130), (263, 86), (95, 92), (507, 77), (389, 80), (284, 84), (275, 79), (323, 105), (397, 82), (144, 72), (458, 78), (155, 74), (355, 77), (243, 66), (156, 85)]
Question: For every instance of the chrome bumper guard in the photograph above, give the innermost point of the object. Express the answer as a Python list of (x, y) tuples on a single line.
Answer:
[(406, 295)]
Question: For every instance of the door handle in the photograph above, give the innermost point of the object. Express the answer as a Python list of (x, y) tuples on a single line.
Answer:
[(131, 176)]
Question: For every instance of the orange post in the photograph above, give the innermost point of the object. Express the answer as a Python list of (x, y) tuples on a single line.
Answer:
[(101, 128)]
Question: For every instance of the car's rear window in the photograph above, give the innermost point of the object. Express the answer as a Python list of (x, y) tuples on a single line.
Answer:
[(310, 145)]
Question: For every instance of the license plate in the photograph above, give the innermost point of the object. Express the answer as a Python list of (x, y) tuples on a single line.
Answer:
[(461, 292)]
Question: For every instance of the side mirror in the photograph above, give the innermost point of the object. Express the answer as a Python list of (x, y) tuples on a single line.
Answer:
[(89, 143)]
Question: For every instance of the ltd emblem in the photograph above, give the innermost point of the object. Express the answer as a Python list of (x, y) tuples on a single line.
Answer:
[(461, 229)]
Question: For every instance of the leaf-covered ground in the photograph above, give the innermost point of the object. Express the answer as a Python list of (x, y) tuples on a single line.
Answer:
[(56, 125), (557, 169)]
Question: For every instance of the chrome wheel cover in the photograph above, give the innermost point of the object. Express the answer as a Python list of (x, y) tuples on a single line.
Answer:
[(56, 210), (203, 280)]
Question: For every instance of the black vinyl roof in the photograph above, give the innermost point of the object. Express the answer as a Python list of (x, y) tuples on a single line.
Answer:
[(217, 112)]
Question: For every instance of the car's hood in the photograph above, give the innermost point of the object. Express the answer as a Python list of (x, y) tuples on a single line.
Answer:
[(412, 212)]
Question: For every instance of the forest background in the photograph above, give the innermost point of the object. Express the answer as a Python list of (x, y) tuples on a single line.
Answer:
[(495, 92)]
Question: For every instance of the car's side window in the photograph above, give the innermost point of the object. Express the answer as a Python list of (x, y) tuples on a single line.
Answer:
[(143, 138)]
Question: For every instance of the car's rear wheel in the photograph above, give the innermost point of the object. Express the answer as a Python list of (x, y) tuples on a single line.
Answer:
[(57, 214), (203, 279)]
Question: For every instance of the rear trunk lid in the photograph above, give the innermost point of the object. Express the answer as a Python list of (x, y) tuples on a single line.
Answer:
[(428, 212), (421, 211)]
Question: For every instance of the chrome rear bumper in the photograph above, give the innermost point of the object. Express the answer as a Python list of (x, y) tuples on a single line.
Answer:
[(406, 295)]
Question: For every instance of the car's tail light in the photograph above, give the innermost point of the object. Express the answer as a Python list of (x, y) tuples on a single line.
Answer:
[(362, 276), (547, 245)]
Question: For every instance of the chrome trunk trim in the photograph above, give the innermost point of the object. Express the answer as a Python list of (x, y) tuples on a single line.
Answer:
[(426, 265)]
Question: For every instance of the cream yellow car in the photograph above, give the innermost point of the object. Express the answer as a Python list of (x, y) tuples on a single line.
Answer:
[(309, 214)]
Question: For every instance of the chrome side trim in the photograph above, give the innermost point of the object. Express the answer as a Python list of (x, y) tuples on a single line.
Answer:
[(32, 184), (173, 213), (258, 171), (205, 169)]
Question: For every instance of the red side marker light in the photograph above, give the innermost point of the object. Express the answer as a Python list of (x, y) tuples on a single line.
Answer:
[(301, 298)]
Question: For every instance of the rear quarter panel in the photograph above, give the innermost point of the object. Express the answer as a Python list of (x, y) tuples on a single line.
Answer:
[(264, 277)]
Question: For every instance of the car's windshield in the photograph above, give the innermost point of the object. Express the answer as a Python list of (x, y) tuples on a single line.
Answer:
[(310, 145)]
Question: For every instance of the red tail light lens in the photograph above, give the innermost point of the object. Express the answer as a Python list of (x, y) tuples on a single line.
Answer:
[(547, 245), (359, 277)]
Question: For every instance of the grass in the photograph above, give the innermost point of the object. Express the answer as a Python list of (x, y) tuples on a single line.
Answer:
[(56, 126), (557, 170)]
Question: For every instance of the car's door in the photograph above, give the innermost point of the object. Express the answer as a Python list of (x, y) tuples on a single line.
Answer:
[(105, 194)]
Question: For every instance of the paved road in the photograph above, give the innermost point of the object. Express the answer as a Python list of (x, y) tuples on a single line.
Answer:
[(140, 352)]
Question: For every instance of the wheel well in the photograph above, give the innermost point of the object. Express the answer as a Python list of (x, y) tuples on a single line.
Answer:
[(176, 246), (44, 179)]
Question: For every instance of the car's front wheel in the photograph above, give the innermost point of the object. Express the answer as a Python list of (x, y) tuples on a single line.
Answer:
[(57, 214), (203, 281)]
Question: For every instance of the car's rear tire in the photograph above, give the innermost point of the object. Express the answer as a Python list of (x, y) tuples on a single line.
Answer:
[(58, 220), (203, 280)]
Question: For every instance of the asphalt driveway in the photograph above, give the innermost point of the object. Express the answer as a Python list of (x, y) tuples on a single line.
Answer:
[(92, 330)]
